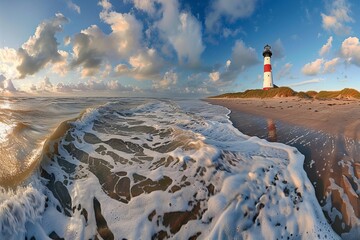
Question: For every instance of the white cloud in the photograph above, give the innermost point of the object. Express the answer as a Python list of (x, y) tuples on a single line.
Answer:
[(230, 9), (105, 4), (41, 48), (182, 31), (73, 6), (228, 63), (145, 5), (315, 80), (91, 46), (350, 50), (313, 68), (284, 71), (45, 85), (8, 63), (326, 47), (329, 66), (242, 58), (214, 76), (337, 18), (144, 65), (6, 85), (170, 78)]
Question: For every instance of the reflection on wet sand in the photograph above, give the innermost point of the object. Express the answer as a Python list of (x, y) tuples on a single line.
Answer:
[(271, 127)]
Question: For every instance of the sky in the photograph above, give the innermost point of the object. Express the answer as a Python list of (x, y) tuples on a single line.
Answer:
[(175, 48)]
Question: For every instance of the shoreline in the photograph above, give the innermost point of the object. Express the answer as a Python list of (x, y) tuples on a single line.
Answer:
[(337, 117), (331, 150)]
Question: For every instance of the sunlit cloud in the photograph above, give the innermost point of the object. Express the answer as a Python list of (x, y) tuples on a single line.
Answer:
[(330, 66), (313, 68), (326, 47), (350, 50), (337, 18), (42, 47)]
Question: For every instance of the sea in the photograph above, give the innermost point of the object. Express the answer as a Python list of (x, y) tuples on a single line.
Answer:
[(141, 168)]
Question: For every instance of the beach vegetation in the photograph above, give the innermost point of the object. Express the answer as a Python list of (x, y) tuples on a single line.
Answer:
[(303, 95), (347, 93), (311, 93), (259, 93)]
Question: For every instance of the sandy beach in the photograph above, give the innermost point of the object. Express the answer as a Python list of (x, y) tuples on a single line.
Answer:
[(332, 116), (327, 132)]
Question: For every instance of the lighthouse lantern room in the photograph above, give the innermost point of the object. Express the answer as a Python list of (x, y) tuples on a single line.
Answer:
[(268, 81)]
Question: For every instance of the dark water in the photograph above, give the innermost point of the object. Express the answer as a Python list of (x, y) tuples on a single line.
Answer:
[(332, 164)]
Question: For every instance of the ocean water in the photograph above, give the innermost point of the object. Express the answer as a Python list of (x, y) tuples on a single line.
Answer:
[(117, 168)]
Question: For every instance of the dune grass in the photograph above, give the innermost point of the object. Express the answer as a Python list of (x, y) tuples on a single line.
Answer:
[(259, 93), (346, 93)]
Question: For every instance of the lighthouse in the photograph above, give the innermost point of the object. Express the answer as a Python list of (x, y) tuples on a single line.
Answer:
[(268, 81)]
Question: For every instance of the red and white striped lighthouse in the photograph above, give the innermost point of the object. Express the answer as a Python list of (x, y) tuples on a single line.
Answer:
[(268, 81)]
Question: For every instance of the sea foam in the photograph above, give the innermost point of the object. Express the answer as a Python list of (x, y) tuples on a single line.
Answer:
[(174, 169)]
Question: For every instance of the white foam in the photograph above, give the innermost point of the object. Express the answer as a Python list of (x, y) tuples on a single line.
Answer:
[(260, 188), (19, 207)]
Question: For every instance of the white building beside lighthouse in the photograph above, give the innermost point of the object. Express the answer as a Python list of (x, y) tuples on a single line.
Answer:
[(268, 80)]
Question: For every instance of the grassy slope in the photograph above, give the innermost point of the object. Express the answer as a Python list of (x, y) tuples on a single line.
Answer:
[(288, 92)]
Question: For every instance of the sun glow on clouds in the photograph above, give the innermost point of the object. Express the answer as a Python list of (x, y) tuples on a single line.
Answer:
[(168, 45)]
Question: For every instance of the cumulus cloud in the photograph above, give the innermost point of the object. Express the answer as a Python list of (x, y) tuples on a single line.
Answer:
[(8, 63), (284, 71), (182, 31), (313, 68), (329, 66), (339, 15), (6, 85), (214, 76), (350, 50), (91, 46), (45, 85), (41, 48), (105, 4), (170, 79), (242, 58), (230, 9), (144, 65), (145, 5)]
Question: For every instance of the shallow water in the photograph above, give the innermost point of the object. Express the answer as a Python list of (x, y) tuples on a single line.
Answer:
[(332, 164), (147, 168)]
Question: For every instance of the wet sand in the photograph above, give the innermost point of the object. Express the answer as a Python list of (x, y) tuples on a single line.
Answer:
[(332, 116), (327, 133)]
